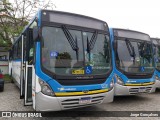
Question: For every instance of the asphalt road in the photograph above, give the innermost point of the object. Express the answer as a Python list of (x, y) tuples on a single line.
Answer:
[(9, 101)]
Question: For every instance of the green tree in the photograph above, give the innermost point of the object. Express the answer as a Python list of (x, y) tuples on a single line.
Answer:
[(15, 15)]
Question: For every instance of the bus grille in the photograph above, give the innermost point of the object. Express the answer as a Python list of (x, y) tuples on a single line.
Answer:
[(74, 103), (68, 82), (133, 91)]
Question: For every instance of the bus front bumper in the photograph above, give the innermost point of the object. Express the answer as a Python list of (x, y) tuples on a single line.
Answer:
[(157, 84), (48, 103), (133, 90)]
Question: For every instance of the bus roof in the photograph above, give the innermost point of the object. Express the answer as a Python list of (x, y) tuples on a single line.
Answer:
[(72, 14), (126, 33), (156, 41), (73, 19), (60, 13)]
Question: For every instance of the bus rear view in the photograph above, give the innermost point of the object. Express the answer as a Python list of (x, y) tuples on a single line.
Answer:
[(133, 62), (69, 63), (156, 49)]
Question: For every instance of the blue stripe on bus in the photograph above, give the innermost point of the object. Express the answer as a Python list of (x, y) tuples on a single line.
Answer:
[(111, 37), (38, 64), (157, 73), (39, 18), (125, 79), (38, 70)]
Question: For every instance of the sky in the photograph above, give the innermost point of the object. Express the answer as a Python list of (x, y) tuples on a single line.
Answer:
[(139, 15)]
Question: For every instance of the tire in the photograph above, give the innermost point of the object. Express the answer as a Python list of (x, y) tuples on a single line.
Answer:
[(2, 89)]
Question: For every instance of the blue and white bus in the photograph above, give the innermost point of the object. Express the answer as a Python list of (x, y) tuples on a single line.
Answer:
[(63, 61), (132, 62), (156, 48)]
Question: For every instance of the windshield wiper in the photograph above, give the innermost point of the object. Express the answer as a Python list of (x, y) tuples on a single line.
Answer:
[(77, 49), (130, 49), (146, 50), (88, 48), (143, 49), (106, 49), (71, 40), (69, 37), (90, 45), (93, 40)]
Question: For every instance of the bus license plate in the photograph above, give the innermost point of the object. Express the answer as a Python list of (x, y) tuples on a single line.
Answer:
[(85, 100), (77, 72), (143, 89)]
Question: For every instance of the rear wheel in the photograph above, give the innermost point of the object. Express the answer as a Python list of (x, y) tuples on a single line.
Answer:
[(2, 89)]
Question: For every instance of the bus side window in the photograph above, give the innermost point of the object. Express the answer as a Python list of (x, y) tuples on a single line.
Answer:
[(31, 52), (31, 56), (19, 50), (31, 43), (31, 47)]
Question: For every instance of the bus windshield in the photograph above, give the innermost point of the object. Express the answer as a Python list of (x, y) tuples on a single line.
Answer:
[(134, 56), (70, 52), (157, 56)]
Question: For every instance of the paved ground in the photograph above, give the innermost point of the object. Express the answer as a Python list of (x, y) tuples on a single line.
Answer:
[(9, 101)]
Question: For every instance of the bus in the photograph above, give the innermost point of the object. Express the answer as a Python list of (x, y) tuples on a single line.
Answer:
[(63, 61), (156, 49), (132, 62)]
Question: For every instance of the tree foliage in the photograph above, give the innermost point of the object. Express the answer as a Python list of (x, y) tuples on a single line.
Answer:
[(15, 15)]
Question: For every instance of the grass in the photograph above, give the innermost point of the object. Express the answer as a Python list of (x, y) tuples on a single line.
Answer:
[(7, 78)]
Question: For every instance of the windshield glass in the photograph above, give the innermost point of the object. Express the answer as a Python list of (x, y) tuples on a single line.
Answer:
[(67, 52), (157, 56), (134, 56)]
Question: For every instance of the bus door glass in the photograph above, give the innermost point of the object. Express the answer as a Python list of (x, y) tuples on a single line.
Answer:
[(29, 67)]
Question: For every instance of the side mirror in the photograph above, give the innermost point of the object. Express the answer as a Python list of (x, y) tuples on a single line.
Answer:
[(35, 33)]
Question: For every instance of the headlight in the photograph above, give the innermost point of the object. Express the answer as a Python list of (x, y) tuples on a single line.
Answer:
[(111, 85), (45, 88), (157, 78), (119, 80)]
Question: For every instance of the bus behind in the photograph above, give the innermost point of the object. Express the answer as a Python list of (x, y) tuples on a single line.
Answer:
[(132, 62), (156, 49)]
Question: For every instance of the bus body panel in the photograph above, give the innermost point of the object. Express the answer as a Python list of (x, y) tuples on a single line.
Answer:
[(34, 87), (16, 65), (156, 44), (47, 103), (131, 86), (132, 81), (133, 90), (157, 84)]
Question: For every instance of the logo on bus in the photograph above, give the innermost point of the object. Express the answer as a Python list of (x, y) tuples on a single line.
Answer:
[(142, 68), (85, 91), (88, 69), (66, 89)]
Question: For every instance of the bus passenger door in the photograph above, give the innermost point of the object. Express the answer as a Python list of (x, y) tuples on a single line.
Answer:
[(23, 66), (29, 69)]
